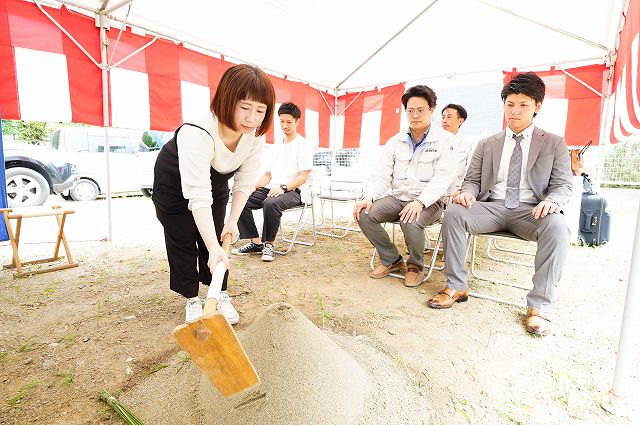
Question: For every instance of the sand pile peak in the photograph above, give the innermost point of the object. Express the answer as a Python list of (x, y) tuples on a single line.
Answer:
[(306, 377)]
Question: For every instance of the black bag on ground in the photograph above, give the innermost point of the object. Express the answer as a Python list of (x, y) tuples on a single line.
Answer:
[(595, 218)]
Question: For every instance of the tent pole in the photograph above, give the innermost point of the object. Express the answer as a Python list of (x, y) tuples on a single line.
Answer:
[(105, 111), (628, 329)]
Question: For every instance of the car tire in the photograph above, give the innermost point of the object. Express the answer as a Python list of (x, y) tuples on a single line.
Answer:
[(26, 187), (147, 192), (84, 190), (66, 197)]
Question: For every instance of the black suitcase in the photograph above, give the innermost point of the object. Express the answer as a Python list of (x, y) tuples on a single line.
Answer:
[(595, 218)]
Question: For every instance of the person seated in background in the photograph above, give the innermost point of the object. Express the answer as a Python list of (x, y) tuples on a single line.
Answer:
[(417, 167), (280, 188), (518, 181), (452, 118)]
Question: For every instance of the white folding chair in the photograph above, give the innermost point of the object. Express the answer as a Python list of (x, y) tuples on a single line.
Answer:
[(306, 205), (492, 239), (341, 191), (434, 250)]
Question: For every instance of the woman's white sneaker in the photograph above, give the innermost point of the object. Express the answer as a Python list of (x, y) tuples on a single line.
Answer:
[(225, 307), (193, 309)]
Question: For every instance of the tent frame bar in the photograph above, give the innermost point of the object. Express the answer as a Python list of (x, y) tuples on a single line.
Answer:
[(542, 24), (407, 25)]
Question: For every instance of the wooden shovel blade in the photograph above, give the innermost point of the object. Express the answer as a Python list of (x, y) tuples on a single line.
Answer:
[(216, 350)]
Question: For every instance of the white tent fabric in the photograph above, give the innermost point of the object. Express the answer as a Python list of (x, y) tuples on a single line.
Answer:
[(325, 42)]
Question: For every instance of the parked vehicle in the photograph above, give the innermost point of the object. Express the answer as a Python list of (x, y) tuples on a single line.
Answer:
[(33, 172), (85, 146)]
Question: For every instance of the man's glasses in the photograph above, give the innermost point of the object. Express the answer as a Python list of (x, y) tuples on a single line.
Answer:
[(418, 111)]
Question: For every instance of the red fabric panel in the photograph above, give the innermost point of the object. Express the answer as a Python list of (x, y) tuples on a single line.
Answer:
[(30, 29), (324, 116), (299, 96), (165, 100), (9, 105), (583, 121), (85, 78), (215, 68), (391, 110), (129, 42), (352, 119), (193, 67)]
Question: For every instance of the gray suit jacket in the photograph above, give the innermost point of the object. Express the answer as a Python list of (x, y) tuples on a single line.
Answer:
[(548, 167)]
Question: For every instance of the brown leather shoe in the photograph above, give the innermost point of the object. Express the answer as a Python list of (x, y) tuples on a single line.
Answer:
[(447, 297), (382, 270), (413, 277), (536, 324)]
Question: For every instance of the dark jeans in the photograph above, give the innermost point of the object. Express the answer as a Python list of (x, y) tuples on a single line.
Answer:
[(271, 209)]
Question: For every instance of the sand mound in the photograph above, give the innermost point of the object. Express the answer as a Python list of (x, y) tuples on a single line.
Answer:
[(307, 378)]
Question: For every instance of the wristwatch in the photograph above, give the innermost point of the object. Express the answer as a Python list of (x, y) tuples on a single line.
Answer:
[(284, 187)]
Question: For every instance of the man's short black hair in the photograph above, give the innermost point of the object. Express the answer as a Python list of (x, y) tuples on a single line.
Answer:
[(290, 109), (420, 91), (528, 84), (462, 113)]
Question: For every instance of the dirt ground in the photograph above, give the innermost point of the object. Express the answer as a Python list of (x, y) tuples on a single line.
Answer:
[(66, 335)]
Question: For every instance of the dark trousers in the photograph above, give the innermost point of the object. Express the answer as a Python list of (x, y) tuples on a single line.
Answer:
[(186, 251), (271, 209)]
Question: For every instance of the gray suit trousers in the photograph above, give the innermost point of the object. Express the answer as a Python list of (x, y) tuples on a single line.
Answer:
[(387, 210), (551, 232)]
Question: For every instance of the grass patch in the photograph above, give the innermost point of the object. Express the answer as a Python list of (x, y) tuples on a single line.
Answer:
[(156, 368), (28, 346), (22, 393), (67, 378), (324, 314), (69, 340)]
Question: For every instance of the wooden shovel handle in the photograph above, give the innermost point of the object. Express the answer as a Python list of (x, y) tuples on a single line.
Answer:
[(226, 242), (211, 305)]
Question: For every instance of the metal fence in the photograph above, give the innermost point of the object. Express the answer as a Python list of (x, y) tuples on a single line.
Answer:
[(622, 164)]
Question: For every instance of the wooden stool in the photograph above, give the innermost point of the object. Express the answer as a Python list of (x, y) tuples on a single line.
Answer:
[(61, 216)]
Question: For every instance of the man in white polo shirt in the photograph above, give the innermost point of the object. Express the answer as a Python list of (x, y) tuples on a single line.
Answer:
[(281, 187)]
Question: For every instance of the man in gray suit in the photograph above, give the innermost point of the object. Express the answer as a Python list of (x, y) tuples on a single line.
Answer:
[(518, 181)]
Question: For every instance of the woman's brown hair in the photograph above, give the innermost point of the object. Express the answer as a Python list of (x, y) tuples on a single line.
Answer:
[(243, 82)]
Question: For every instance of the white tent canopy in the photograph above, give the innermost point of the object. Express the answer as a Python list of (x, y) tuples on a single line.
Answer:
[(325, 43)]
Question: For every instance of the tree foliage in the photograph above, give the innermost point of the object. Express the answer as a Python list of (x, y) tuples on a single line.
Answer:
[(34, 132)]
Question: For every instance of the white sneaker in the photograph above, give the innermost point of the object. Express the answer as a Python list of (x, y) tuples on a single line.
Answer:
[(193, 309), (225, 307), (268, 252)]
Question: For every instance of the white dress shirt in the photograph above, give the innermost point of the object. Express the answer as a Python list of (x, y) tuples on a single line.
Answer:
[(526, 194)]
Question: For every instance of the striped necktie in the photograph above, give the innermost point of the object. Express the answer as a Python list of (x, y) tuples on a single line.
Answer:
[(512, 195)]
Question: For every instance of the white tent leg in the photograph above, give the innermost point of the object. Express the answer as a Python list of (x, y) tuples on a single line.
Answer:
[(105, 114), (629, 330)]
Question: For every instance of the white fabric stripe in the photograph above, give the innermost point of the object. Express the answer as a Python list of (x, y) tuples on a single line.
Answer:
[(43, 85), (336, 126), (277, 131), (553, 115), (370, 131), (312, 126), (130, 99), (195, 99)]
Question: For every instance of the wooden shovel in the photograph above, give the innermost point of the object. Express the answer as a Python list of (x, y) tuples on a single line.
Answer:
[(214, 346)]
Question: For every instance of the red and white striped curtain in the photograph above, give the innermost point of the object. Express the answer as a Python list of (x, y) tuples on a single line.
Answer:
[(46, 77), (625, 111), (570, 108)]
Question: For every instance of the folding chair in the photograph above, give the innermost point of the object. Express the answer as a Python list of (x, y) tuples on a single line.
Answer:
[(341, 191), (306, 205), (493, 238), (434, 250), (14, 237)]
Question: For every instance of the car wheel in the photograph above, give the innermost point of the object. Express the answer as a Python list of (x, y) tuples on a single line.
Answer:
[(26, 187), (147, 192), (66, 197), (84, 190)]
